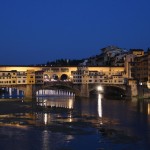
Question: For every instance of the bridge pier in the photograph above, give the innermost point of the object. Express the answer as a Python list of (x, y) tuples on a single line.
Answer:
[(29, 92), (132, 88), (84, 90)]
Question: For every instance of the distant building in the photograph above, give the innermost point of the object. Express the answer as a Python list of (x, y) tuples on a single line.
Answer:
[(137, 66), (113, 56), (129, 65), (110, 56), (131, 62), (137, 52)]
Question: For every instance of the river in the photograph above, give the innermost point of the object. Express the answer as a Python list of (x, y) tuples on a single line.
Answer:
[(68, 123)]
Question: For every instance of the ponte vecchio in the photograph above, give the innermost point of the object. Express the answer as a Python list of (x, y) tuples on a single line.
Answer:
[(81, 80)]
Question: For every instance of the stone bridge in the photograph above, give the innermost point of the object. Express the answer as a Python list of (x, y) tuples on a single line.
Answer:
[(82, 90)]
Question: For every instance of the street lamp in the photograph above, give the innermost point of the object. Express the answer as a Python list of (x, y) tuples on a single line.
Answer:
[(100, 88), (142, 89)]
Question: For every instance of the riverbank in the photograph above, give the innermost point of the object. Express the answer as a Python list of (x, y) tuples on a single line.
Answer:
[(15, 106)]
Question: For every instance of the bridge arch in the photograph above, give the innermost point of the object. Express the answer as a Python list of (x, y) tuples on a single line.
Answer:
[(47, 77), (64, 77), (109, 91), (58, 85), (55, 77)]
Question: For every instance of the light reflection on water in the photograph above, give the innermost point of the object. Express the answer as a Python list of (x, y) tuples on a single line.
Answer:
[(64, 102), (45, 137), (67, 126), (11, 93), (148, 110), (100, 105)]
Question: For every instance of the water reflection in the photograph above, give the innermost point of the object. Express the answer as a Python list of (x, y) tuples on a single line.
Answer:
[(53, 102), (11, 93), (45, 138), (47, 92), (148, 111), (62, 102), (100, 105), (42, 118), (45, 118), (18, 120), (143, 106), (68, 119)]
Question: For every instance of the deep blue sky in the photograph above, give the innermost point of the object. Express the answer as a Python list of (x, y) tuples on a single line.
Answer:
[(35, 31)]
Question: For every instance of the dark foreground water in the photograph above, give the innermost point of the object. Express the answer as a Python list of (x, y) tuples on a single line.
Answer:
[(66, 123)]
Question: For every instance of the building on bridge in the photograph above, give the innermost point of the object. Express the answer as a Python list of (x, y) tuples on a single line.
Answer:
[(102, 75), (8, 77)]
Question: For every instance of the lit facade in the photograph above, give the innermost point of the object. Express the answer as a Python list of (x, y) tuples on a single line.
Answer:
[(137, 52), (140, 68), (39, 77), (8, 77), (103, 75), (21, 77), (30, 77)]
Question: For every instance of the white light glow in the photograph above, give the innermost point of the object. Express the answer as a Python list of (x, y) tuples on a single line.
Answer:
[(70, 118), (100, 88), (70, 103), (148, 109), (100, 105), (45, 118), (45, 102)]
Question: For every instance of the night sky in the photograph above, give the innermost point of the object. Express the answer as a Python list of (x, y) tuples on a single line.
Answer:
[(37, 31)]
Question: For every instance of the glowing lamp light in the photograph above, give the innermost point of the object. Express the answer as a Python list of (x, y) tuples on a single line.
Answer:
[(141, 83), (100, 88)]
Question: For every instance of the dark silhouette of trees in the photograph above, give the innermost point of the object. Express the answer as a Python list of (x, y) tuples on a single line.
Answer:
[(64, 62)]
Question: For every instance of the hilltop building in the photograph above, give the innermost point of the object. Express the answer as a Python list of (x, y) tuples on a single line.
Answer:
[(109, 56), (114, 56)]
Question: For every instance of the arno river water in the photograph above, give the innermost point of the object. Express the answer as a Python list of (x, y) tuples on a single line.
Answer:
[(63, 122)]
